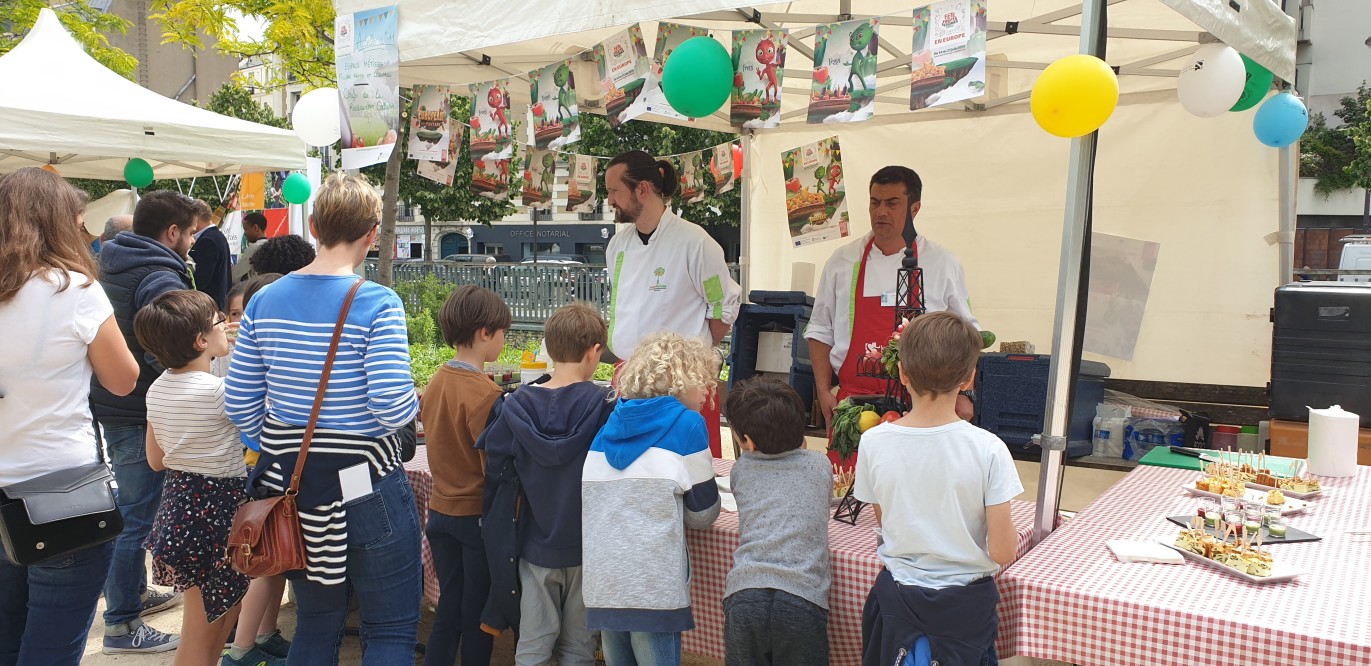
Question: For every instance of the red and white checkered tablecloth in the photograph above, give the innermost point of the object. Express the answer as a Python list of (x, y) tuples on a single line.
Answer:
[(855, 567), (1069, 600), (422, 481)]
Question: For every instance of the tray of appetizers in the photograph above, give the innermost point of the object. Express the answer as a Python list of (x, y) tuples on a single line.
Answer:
[(1239, 557), (1301, 487), (1270, 498)]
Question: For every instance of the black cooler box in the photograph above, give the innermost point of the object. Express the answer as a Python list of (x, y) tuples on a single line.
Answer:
[(1321, 349)]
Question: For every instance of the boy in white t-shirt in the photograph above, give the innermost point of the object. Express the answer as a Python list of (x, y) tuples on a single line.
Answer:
[(941, 489)]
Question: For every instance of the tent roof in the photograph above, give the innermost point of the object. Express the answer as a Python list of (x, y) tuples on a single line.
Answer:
[(1149, 40), (64, 108)]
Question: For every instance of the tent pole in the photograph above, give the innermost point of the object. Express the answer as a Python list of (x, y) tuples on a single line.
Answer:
[(745, 220), (1285, 238), (1069, 325)]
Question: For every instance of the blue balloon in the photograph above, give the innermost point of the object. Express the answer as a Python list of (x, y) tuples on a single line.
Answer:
[(1281, 120)]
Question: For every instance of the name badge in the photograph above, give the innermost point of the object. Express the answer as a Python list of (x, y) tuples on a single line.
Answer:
[(887, 299)]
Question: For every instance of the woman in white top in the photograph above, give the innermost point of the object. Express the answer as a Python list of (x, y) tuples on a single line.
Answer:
[(57, 327)]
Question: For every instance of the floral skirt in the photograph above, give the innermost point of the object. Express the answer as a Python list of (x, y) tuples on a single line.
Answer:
[(190, 535)]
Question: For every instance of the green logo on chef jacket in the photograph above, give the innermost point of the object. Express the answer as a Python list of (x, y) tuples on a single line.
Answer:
[(657, 285)]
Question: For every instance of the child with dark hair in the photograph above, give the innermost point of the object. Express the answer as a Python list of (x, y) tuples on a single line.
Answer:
[(282, 254), (776, 596), (190, 436), (454, 410)]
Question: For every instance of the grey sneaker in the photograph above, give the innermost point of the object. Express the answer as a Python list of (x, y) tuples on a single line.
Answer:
[(141, 639), (254, 657), (156, 602)]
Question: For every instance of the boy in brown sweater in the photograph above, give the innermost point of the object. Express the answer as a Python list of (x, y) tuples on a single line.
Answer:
[(454, 411)]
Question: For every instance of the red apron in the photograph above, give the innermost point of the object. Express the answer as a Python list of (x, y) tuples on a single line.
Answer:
[(871, 323)]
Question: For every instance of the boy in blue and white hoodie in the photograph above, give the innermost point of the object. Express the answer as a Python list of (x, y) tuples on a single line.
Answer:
[(648, 477)]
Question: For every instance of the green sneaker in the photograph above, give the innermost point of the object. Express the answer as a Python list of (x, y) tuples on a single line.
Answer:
[(254, 657)]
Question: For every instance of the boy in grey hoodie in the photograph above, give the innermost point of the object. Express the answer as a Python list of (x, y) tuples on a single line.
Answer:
[(776, 596)]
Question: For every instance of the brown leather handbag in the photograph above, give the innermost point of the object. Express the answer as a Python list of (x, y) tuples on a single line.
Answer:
[(265, 539)]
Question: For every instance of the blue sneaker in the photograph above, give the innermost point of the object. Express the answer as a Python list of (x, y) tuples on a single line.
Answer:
[(141, 639), (254, 657), (275, 645), (156, 602)]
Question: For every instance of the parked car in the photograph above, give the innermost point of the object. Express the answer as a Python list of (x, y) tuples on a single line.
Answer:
[(477, 258), (559, 259)]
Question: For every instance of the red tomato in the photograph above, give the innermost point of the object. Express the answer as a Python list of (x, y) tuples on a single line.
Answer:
[(889, 416)]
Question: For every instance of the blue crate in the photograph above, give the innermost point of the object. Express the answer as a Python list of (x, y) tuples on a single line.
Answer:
[(1011, 399), (753, 319)]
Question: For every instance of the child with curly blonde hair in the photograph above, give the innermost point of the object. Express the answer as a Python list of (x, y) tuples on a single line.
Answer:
[(647, 478)]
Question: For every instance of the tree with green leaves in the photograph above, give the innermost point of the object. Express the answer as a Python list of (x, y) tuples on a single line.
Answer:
[(88, 25), (1340, 157), (298, 34)]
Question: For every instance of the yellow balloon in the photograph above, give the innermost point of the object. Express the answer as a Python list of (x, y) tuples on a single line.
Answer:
[(1074, 96)]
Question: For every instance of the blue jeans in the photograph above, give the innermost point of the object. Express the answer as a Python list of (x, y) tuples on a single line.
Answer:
[(140, 491), (383, 567), (46, 609), (459, 560), (641, 648)]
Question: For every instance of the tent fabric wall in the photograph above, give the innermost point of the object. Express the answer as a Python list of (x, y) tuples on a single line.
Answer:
[(993, 192)]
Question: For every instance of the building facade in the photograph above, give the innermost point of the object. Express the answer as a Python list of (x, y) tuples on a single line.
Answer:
[(171, 70)]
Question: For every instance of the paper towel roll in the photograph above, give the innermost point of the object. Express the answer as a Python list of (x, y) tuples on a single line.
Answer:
[(1333, 442)]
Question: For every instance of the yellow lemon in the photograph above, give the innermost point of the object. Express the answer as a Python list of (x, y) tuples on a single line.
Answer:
[(868, 420)]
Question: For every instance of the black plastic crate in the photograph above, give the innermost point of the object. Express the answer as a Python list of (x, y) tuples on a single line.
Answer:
[(1011, 399), (753, 320), (1321, 349)]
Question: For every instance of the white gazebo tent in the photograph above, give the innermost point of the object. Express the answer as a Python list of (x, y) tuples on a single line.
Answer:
[(63, 108), (1219, 202)]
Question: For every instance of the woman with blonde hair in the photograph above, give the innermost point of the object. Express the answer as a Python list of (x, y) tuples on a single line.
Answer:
[(647, 478), (58, 329), (357, 510)]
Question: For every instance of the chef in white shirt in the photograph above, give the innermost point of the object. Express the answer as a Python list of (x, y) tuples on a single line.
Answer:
[(666, 274), (855, 304)]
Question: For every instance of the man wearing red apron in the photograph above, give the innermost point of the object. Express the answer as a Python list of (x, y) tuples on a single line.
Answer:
[(855, 305)]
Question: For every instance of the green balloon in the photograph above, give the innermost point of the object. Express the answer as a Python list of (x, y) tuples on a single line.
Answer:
[(1258, 84), (296, 189), (698, 77), (137, 172)]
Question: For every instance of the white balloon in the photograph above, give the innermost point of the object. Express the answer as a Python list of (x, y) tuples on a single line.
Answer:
[(315, 117), (1212, 81)]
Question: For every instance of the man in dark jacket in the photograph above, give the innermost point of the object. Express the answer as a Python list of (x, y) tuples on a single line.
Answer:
[(210, 253), (136, 267)]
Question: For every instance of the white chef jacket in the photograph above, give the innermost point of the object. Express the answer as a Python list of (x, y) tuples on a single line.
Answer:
[(673, 283), (831, 321)]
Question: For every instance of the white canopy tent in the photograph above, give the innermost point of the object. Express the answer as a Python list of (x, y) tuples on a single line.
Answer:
[(61, 107), (1214, 197)]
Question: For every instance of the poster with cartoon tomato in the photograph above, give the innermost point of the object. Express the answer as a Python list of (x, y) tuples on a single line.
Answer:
[(368, 62), (815, 198), (948, 59), (490, 178), (491, 126), (623, 66), (540, 169), (844, 86), (556, 121), (758, 64)]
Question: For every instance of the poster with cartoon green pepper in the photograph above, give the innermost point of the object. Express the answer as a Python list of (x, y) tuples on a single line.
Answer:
[(491, 128), (948, 59), (758, 68), (815, 197), (540, 168), (844, 84), (692, 177), (623, 66), (555, 120)]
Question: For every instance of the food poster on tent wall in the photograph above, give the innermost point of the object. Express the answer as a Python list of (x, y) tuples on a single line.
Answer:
[(692, 177), (368, 61), (624, 66), (815, 198), (429, 116), (444, 172), (555, 118), (491, 128), (948, 60), (722, 168), (844, 85), (669, 37), (490, 178), (580, 187), (758, 67), (540, 169)]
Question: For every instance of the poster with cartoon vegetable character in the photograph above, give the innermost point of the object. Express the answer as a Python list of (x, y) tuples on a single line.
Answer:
[(948, 60), (491, 127), (722, 168), (758, 65), (692, 177), (844, 86), (669, 37), (368, 57), (428, 123), (624, 67), (555, 118), (490, 178), (815, 198), (540, 168), (444, 171), (580, 186)]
